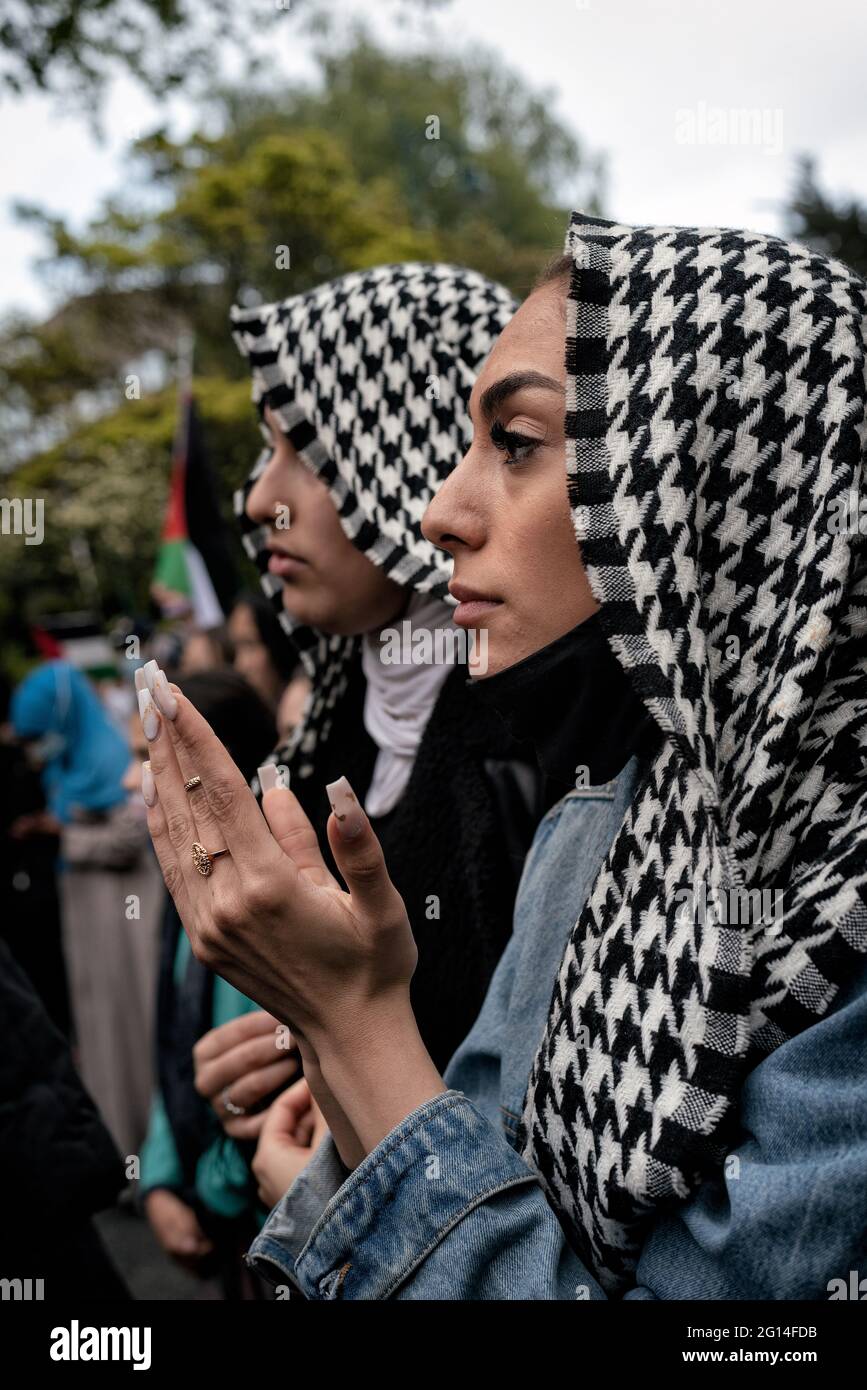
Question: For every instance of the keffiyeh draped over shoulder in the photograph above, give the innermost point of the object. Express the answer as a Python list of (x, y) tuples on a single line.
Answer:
[(369, 377), (715, 447)]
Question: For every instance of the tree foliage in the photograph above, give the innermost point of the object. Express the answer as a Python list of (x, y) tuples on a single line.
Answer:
[(836, 227), (298, 187), (74, 46)]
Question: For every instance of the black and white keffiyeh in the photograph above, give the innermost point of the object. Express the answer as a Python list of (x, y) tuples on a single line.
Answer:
[(369, 377), (715, 444)]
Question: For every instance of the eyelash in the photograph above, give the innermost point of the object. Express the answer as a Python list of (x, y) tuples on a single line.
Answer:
[(517, 447)]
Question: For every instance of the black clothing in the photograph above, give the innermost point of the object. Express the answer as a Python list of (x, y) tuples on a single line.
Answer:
[(58, 1163), (29, 907), (573, 701), (455, 844)]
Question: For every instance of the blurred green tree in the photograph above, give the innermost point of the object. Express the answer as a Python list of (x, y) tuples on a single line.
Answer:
[(389, 157), (74, 47), (836, 227)]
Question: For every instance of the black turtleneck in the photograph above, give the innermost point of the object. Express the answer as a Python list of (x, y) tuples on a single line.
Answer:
[(574, 703)]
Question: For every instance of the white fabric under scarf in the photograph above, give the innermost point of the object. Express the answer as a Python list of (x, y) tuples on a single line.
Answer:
[(400, 699)]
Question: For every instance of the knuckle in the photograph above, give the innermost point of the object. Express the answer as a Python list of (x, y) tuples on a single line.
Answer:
[(178, 827), (204, 811), (256, 1053), (221, 918), (200, 950), (258, 895), (172, 877), (223, 801), (367, 871), (208, 941)]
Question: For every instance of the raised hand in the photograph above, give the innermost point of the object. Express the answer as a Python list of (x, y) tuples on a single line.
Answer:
[(267, 915)]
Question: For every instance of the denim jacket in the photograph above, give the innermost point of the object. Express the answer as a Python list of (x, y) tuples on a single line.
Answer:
[(445, 1208)]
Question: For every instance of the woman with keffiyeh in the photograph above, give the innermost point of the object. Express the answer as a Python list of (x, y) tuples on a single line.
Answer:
[(694, 674), (362, 387)]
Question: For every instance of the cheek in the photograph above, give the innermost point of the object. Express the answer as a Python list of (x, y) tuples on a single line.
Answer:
[(538, 524), (367, 592)]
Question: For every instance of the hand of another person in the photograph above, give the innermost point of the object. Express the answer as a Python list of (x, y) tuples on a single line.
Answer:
[(35, 823), (239, 1064), (177, 1229), (293, 1130)]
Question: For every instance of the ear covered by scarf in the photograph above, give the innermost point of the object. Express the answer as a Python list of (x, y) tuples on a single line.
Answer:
[(716, 428), (369, 376)]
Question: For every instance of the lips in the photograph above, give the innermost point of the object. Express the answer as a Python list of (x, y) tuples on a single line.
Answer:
[(473, 606), (284, 563)]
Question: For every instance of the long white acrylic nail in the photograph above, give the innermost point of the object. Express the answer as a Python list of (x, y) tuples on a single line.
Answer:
[(141, 680), (150, 669), (148, 785), (164, 695), (150, 720), (344, 804), (271, 776)]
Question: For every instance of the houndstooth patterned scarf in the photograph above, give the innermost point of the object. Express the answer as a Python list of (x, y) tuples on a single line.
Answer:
[(716, 435), (369, 377)]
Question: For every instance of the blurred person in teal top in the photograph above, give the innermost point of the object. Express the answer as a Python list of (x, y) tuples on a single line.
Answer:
[(56, 710), (105, 866)]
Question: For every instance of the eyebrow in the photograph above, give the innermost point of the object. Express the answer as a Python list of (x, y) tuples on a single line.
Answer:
[(499, 391)]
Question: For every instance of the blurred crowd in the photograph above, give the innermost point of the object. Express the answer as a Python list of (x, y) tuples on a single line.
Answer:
[(102, 1000)]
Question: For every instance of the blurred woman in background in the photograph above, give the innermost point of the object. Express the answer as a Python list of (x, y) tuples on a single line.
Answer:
[(110, 891), (262, 655)]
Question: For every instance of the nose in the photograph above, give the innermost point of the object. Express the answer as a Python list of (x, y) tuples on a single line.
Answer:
[(453, 520), (272, 490)]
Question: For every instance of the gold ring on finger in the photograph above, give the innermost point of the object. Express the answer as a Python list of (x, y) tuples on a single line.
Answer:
[(204, 858)]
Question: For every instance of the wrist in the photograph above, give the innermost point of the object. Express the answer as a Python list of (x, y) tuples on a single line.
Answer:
[(378, 1069)]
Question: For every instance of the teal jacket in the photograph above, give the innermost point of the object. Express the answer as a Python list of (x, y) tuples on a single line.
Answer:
[(222, 1180)]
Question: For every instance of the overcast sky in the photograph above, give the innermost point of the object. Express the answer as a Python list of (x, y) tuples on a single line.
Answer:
[(659, 86)]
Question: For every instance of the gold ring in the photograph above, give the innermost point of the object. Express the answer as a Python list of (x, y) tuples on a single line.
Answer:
[(204, 859), (192, 784)]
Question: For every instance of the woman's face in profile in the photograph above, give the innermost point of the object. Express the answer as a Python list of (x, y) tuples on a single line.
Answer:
[(503, 513), (327, 583)]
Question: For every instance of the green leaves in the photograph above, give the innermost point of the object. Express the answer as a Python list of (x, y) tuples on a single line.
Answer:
[(300, 185)]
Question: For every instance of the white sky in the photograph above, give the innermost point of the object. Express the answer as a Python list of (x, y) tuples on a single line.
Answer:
[(619, 71)]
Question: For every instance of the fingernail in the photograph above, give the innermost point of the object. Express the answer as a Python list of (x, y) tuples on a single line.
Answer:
[(271, 776), (344, 804), (148, 785), (150, 669), (150, 720), (162, 693), (141, 680)]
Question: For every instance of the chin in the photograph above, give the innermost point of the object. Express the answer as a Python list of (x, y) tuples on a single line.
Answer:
[(308, 614), (328, 623), (490, 662)]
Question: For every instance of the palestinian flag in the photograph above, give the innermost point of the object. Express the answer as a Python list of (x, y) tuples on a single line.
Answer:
[(195, 573)]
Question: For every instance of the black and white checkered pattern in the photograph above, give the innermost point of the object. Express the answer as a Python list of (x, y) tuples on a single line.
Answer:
[(715, 414), (369, 377)]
